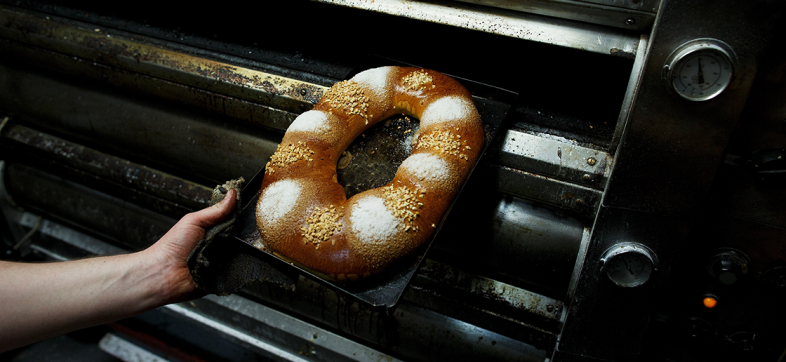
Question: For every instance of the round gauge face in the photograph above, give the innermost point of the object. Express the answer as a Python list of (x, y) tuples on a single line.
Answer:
[(701, 73), (629, 269)]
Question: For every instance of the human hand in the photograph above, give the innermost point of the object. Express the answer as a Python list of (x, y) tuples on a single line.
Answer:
[(171, 252)]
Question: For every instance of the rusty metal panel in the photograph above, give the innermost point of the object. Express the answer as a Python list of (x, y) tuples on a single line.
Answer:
[(202, 145), (132, 226), (106, 166), (249, 111), (144, 55)]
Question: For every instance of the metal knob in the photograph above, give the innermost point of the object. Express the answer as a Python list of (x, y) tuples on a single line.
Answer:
[(728, 266)]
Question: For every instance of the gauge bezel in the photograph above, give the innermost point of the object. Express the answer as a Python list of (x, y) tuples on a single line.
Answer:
[(626, 248), (684, 50)]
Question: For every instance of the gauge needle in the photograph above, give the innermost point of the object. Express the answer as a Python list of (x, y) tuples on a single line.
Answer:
[(701, 74), (628, 266)]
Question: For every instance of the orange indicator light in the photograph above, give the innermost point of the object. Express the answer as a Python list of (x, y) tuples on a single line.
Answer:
[(710, 302)]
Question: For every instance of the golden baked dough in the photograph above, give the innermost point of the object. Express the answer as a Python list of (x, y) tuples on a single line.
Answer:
[(303, 214)]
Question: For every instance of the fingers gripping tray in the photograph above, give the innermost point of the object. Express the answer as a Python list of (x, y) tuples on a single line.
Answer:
[(235, 258)]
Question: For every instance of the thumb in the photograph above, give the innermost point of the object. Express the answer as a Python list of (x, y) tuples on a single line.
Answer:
[(213, 215)]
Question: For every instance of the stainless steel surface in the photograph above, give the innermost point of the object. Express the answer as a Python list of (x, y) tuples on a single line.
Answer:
[(555, 157), (532, 27), (577, 268), (600, 13), (643, 5), (65, 234), (668, 156), (267, 330), (126, 351), (634, 82), (580, 199)]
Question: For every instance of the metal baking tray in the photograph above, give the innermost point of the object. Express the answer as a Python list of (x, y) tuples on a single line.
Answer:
[(375, 159)]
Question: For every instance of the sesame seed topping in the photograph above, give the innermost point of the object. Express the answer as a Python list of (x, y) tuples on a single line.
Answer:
[(417, 80), (404, 204), (286, 155), (443, 141), (349, 97), (321, 225)]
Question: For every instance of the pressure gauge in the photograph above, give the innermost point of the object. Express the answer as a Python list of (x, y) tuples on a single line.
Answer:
[(629, 265), (700, 70)]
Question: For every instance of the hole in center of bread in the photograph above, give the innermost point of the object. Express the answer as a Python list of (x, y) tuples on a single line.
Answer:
[(373, 158)]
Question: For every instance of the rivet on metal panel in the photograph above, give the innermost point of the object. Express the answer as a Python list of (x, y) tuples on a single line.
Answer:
[(586, 177), (591, 161), (630, 21)]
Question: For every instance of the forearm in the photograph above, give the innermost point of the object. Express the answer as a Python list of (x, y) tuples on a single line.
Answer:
[(46, 299)]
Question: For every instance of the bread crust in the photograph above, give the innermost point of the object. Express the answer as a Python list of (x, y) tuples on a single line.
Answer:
[(303, 214)]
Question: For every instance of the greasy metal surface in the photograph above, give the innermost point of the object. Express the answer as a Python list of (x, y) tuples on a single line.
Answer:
[(555, 157), (413, 333), (585, 11), (115, 169), (145, 85), (324, 345), (120, 222), (414, 330), (136, 53), (532, 27), (643, 5), (433, 274), (575, 198), (65, 234), (168, 138)]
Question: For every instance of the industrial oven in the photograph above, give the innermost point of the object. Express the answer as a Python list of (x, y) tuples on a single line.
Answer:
[(631, 208)]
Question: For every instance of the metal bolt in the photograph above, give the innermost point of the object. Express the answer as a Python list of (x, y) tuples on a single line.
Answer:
[(630, 21), (549, 307), (591, 161), (586, 177), (579, 202), (303, 91)]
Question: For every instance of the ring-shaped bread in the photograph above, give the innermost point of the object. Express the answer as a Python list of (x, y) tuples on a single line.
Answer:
[(303, 214)]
